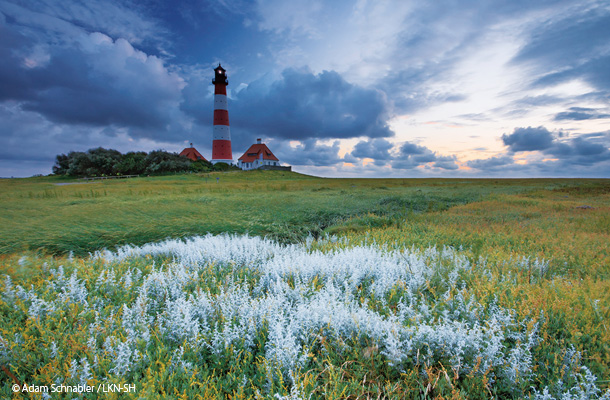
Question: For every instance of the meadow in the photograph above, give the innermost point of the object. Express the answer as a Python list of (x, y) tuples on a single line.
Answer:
[(272, 284)]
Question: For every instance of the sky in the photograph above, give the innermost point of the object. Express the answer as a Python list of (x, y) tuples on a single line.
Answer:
[(495, 88)]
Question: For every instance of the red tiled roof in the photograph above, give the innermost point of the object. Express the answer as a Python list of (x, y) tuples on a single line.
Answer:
[(254, 153), (192, 153)]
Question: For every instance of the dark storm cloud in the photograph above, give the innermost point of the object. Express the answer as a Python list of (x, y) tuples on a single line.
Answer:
[(302, 105), (58, 65), (63, 88), (298, 106), (95, 81), (528, 139), (580, 113), (13, 79)]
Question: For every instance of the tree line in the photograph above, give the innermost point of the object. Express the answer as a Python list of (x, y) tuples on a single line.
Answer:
[(108, 162)]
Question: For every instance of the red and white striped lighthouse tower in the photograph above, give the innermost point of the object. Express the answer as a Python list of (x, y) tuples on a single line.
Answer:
[(221, 143)]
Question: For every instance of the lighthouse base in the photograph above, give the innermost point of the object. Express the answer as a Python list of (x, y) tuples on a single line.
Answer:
[(224, 161)]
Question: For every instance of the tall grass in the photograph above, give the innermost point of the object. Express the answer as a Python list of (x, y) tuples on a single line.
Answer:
[(362, 289), (82, 218)]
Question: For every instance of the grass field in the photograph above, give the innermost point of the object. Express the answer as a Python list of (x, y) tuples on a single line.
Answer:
[(364, 288)]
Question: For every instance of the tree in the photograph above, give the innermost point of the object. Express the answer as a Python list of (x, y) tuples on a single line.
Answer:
[(62, 163), (100, 161), (80, 164), (160, 161), (104, 160), (132, 163)]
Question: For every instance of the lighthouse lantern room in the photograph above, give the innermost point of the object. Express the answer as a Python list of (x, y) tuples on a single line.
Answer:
[(221, 142)]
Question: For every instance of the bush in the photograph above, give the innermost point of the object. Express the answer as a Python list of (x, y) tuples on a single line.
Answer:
[(201, 166)]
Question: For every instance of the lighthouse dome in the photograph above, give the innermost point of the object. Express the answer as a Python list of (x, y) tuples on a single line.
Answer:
[(220, 76)]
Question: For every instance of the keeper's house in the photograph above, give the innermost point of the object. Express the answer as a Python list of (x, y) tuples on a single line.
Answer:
[(192, 153), (259, 156)]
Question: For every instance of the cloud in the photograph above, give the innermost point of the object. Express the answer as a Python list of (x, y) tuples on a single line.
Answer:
[(296, 17), (309, 152), (377, 149), (583, 150), (446, 162), (580, 151), (528, 104), (96, 81), (87, 73), (571, 46), (65, 20), (552, 154), (411, 161), (528, 139), (299, 106), (409, 149), (105, 82), (492, 163), (431, 65), (580, 113), (30, 142), (537, 101), (411, 155), (569, 37), (407, 156), (13, 76), (62, 88)]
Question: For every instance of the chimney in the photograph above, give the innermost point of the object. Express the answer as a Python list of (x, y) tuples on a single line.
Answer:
[(258, 141)]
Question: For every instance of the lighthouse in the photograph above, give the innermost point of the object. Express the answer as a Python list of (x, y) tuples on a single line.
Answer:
[(221, 142)]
